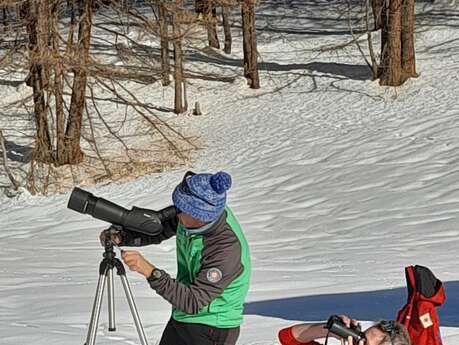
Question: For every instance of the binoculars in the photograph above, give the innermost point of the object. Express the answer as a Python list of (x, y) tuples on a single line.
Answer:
[(336, 326)]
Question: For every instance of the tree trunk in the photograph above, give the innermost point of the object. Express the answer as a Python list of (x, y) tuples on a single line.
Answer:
[(374, 65), (180, 90), (71, 3), (36, 16), (250, 44), (5, 17), (164, 33), (73, 153), (58, 88), (227, 29), (377, 8), (210, 18), (391, 68), (408, 52), (199, 6), (71, 33)]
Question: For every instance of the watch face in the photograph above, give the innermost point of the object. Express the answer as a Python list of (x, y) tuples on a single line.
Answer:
[(156, 274)]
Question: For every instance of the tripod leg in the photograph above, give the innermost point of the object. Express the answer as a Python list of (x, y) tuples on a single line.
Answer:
[(92, 330), (132, 306), (111, 301)]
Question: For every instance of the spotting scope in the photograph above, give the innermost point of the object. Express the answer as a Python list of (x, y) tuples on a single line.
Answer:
[(137, 219)]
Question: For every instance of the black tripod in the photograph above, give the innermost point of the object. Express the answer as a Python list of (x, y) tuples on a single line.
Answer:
[(106, 273)]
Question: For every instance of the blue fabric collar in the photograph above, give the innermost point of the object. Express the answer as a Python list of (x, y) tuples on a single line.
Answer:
[(199, 231)]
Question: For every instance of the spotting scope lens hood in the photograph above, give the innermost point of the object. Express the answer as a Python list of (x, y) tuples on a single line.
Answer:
[(78, 200), (138, 219)]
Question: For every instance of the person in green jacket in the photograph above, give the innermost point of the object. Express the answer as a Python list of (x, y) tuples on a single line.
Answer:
[(213, 264)]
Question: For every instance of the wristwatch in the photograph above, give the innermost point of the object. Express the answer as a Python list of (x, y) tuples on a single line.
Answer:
[(155, 274)]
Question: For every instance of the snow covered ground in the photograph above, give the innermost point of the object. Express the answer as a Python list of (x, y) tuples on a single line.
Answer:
[(338, 183)]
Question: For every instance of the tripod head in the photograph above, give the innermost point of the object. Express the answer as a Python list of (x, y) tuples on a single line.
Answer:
[(108, 235), (109, 254)]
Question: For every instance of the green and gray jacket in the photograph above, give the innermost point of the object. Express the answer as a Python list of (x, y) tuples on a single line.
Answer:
[(213, 272)]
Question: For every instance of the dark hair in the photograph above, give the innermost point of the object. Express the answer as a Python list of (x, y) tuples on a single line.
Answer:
[(395, 334)]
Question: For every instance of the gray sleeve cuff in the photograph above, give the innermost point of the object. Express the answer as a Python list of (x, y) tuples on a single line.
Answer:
[(155, 282)]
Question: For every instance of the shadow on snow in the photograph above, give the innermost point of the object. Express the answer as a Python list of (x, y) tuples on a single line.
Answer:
[(18, 153), (370, 305)]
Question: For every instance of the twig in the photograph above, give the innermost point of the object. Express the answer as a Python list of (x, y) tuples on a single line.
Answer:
[(147, 118), (374, 64), (5, 162), (356, 40), (94, 143)]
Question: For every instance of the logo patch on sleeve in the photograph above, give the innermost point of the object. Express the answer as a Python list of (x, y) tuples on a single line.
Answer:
[(214, 275), (426, 320)]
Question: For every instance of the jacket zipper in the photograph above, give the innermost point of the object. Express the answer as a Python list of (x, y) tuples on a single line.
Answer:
[(189, 258)]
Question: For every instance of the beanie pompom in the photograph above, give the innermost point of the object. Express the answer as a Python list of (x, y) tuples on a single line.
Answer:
[(220, 182)]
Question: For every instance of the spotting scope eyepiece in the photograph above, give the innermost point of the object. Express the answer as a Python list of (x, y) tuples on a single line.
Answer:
[(138, 219), (336, 326)]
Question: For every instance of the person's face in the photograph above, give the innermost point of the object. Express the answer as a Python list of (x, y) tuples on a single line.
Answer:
[(374, 336), (190, 222)]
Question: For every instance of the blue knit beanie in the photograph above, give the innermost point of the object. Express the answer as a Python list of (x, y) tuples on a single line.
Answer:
[(205, 195)]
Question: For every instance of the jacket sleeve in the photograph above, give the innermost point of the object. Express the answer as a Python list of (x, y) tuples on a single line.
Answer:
[(219, 267), (136, 239)]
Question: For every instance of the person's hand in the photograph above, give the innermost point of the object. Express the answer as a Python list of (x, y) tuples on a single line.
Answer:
[(136, 262), (350, 323), (350, 341), (115, 237)]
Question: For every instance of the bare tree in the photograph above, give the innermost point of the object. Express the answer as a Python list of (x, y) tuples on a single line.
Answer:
[(46, 77), (207, 9), (181, 104), (64, 77), (210, 17), (72, 152), (408, 51), (397, 43), (250, 43), (377, 6), (227, 28), (37, 15), (5, 162), (163, 17), (58, 86)]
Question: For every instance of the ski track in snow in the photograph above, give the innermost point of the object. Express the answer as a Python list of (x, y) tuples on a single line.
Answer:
[(338, 183)]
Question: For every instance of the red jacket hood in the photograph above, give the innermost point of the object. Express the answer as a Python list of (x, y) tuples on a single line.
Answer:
[(429, 284)]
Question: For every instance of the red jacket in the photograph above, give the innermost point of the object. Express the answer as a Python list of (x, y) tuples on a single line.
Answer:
[(286, 338), (419, 316)]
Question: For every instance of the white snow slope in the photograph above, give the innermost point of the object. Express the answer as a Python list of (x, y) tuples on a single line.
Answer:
[(338, 184)]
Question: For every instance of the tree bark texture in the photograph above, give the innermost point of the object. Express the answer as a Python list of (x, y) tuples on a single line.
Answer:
[(164, 37), (408, 51), (4, 16), (210, 18), (36, 16), (398, 61), (391, 68), (377, 9), (227, 29), (250, 44), (58, 87), (73, 153), (180, 105)]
